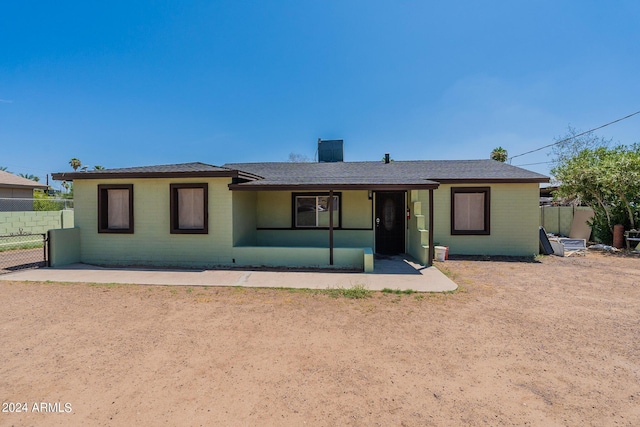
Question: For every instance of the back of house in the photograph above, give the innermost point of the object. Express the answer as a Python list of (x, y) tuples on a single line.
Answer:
[(330, 214)]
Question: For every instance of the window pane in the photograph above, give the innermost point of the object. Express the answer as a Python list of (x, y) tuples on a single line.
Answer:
[(323, 211), (190, 208), (118, 209), (469, 211), (305, 211)]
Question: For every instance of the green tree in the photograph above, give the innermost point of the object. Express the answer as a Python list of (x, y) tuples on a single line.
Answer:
[(98, 168), (3, 168), (67, 189), (44, 202), (75, 163), (607, 180), (622, 177), (499, 154), (573, 142)]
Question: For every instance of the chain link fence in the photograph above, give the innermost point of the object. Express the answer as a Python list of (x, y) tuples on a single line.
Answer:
[(41, 204), (20, 251), (23, 226)]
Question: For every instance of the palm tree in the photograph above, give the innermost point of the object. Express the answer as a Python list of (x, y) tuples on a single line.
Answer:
[(68, 187), (75, 163), (3, 168), (499, 154), (30, 176), (98, 168)]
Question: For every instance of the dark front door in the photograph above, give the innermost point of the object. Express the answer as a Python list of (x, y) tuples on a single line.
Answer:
[(389, 222)]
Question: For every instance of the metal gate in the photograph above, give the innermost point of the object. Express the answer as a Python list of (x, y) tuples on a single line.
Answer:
[(20, 251)]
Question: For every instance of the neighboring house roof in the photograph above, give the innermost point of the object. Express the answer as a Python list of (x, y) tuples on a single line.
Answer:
[(414, 174), (181, 170), (9, 180)]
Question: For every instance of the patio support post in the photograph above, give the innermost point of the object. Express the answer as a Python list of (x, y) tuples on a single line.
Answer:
[(430, 257), (330, 227)]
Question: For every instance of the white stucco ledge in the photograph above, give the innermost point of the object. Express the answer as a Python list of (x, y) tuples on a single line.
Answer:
[(394, 273)]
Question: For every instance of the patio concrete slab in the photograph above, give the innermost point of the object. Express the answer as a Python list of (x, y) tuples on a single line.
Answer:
[(396, 273)]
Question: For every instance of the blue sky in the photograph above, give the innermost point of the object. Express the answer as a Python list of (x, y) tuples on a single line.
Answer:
[(124, 83)]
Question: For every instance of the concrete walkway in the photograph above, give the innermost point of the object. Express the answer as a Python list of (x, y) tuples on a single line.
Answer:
[(390, 272)]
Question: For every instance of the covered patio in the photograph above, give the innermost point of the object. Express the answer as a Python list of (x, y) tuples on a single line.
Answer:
[(329, 216)]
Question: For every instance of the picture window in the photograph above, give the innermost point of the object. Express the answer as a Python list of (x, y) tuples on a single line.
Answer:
[(312, 210)]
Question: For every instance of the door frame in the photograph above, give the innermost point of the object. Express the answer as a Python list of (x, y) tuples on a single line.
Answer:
[(401, 209)]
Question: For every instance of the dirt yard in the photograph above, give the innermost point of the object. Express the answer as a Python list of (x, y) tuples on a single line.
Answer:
[(549, 343)]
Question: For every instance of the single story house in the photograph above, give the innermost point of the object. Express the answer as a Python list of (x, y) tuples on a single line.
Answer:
[(327, 214), (16, 192)]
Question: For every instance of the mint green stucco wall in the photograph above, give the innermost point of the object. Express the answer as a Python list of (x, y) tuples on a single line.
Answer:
[(234, 238), (240, 223), (514, 221), (357, 209), (274, 222), (417, 226), (317, 238), (64, 247), (244, 218), (351, 258), (263, 234), (273, 209), (152, 243)]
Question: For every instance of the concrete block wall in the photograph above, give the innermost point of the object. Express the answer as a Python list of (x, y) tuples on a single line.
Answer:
[(34, 221), (558, 219)]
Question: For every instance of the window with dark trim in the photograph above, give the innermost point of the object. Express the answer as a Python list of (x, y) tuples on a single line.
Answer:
[(311, 210), (470, 210), (115, 208), (189, 208)]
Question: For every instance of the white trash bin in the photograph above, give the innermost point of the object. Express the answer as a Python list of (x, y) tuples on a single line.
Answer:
[(440, 253)]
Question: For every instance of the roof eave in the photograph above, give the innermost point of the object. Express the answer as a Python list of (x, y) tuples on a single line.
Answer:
[(26, 186), (494, 180), (70, 176), (317, 187)]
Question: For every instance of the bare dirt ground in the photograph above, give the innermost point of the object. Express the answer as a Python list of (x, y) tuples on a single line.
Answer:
[(553, 342)]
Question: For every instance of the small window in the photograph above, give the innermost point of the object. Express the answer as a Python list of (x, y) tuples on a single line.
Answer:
[(470, 210), (189, 208), (312, 211), (115, 208)]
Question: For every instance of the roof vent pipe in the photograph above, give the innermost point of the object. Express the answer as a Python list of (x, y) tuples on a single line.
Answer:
[(386, 158)]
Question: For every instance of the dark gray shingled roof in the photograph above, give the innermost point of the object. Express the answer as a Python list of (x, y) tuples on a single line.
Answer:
[(323, 174), (175, 170), (378, 175), (410, 173)]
